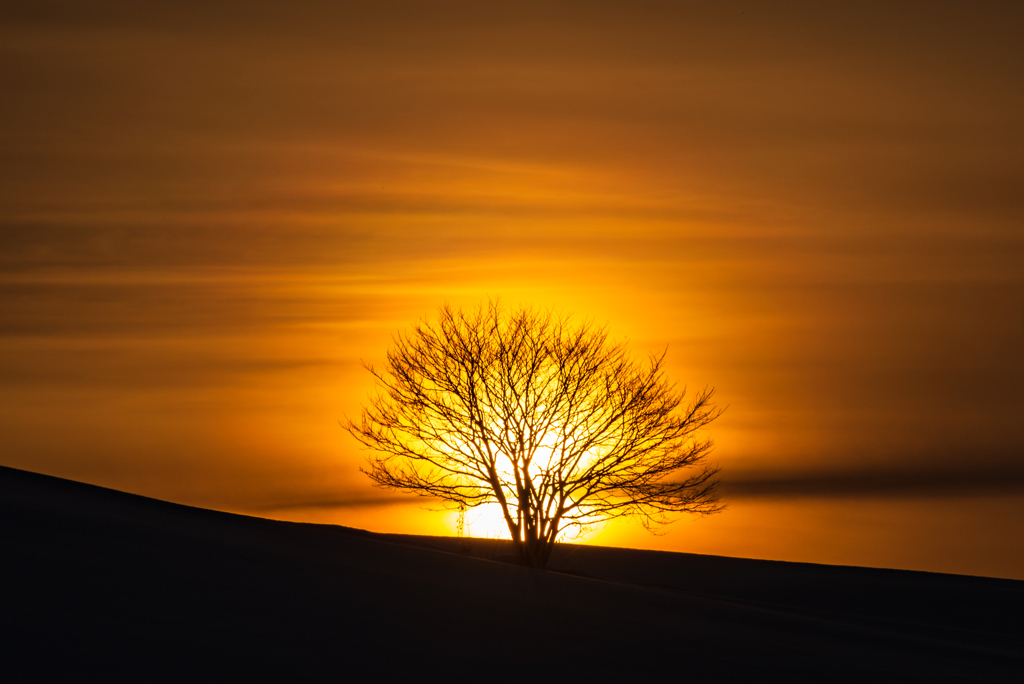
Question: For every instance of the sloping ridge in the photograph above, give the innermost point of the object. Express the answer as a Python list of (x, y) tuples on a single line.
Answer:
[(103, 585)]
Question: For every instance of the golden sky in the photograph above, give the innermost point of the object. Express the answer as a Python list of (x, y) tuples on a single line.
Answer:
[(209, 216)]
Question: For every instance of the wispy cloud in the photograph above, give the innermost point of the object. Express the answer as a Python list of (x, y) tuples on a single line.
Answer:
[(356, 501), (891, 482)]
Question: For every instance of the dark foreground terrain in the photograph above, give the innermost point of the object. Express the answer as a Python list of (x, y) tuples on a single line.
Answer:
[(99, 585)]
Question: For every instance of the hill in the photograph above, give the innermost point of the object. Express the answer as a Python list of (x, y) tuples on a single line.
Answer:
[(104, 585)]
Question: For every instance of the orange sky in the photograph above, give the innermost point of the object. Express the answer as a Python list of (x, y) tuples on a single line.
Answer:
[(207, 217)]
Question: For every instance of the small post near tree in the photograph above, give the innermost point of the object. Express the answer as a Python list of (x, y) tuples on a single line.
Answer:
[(550, 420)]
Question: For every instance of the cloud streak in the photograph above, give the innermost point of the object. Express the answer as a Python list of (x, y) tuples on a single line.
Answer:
[(355, 501), (930, 481)]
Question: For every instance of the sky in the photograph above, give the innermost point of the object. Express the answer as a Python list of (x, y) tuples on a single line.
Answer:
[(209, 216)]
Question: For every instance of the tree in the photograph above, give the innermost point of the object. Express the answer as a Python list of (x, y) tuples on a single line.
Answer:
[(558, 425)]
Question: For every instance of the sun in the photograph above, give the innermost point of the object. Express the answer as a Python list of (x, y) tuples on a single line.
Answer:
[(487, 522)]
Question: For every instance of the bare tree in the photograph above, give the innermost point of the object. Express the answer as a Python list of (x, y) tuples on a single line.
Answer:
[(556, 424)]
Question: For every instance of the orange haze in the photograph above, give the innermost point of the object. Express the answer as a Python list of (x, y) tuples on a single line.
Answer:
[(209, 216)]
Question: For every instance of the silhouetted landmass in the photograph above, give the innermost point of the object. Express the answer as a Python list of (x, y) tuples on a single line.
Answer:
[(103, 585)]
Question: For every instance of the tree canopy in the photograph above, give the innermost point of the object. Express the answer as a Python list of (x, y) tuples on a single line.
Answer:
[(550, 419)]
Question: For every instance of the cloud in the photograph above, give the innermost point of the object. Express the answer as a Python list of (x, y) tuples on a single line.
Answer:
[(355, 501), (946, 480)]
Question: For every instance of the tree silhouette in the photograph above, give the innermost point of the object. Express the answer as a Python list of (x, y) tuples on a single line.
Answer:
[(559, 426)]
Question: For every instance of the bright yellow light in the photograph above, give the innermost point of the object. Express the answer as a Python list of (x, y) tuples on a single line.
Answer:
[(486, 522)]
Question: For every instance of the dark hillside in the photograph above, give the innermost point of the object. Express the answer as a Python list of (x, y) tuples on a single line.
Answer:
[(980, 611), (102, 585)]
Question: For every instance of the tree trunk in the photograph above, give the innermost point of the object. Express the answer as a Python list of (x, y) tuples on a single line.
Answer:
[(533, 552)]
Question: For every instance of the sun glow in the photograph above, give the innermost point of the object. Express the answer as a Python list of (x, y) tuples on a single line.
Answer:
[(487, 520)]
